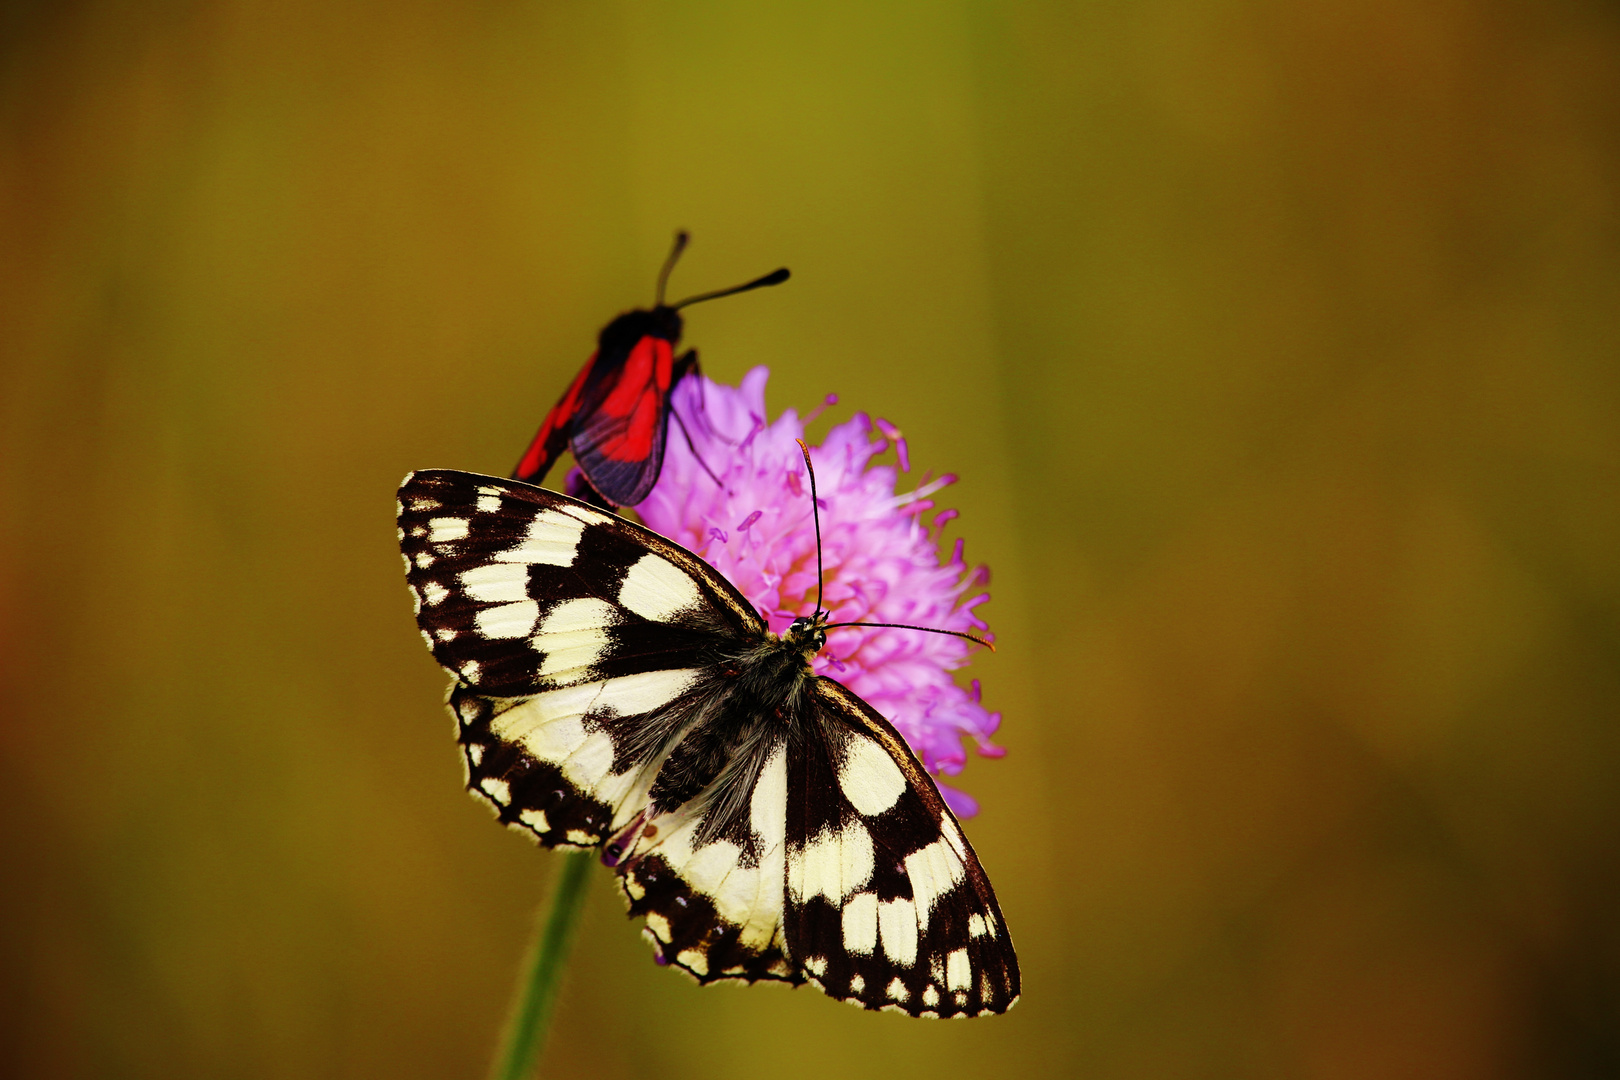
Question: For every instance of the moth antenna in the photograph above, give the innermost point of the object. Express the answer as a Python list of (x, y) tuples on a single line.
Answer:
[(908, 626), (815, 512), (775, 277), (681, 237)]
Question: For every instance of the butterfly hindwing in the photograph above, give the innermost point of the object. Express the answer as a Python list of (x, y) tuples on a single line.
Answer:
[(887, 905), (707, 878)]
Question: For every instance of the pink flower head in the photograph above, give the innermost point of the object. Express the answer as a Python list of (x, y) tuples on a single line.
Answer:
[(881, 558)]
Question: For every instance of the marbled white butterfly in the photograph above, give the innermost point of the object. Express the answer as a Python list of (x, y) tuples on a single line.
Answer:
[(612, 690)]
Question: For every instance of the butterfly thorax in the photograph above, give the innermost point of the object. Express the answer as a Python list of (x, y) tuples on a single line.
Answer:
[(758, 709)]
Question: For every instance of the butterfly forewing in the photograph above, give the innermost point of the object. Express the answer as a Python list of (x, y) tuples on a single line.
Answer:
[(608, 690), (578, 642), (520, 589)]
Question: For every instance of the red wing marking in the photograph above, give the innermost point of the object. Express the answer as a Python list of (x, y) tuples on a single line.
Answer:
[(635, 442), (648, 360), (636, 402), (557, 427)]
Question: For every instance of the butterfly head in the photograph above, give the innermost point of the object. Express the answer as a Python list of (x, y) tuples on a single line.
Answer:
[(807, 632)]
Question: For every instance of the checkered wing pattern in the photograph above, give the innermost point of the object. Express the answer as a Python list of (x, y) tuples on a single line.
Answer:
[(887, 906), (612, 690)]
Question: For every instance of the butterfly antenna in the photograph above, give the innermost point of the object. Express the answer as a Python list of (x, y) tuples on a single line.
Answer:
[(681, 237), (815, 512), (775, 277), (907, 626)]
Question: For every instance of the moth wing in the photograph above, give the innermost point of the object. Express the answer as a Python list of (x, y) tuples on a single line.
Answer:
[(548, 443), (619, 438)]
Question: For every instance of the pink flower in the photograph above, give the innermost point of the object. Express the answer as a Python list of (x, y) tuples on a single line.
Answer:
[(881, 556)]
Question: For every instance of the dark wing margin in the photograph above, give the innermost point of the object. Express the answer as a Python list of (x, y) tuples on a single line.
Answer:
[(578, 642), (886, 904)]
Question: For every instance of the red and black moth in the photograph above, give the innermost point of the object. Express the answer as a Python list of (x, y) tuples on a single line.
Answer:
[(615, 414)]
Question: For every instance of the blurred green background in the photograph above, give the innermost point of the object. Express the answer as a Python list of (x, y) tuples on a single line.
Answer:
[(1276, 342)]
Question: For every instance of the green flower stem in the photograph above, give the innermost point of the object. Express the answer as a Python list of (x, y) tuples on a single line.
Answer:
[(525, 1034)]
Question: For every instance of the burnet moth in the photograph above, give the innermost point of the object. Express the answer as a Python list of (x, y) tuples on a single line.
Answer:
[(615, 414)]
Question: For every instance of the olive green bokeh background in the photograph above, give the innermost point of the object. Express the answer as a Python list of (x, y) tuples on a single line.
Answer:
[(1275, 344)]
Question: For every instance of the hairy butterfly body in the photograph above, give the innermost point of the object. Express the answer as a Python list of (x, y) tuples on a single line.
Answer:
[(612, 690), (615, 414)]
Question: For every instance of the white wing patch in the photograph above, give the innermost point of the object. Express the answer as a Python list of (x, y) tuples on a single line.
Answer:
[(573, 636), (508, 620), (497, 583), (656, 589), (767, 809), (934, 871), (861, 924), (447, 530), (631, 694), (871, 780), (553, 540), (834, 865), (897, 924)]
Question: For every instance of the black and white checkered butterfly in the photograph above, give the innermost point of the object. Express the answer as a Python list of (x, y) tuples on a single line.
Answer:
[(613, 690)]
